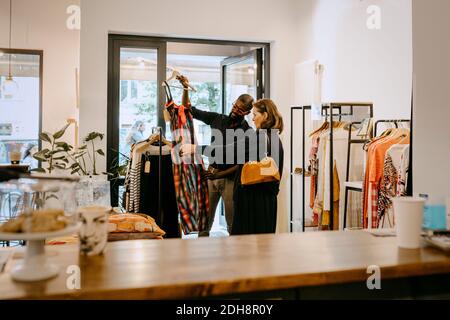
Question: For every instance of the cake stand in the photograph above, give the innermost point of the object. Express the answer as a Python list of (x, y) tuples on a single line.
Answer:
[(35, 266)]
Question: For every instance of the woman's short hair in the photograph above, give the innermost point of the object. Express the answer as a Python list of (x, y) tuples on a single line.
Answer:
[(274, 119)]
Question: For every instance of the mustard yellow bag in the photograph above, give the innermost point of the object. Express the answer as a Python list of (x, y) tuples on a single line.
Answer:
[(255, 172)]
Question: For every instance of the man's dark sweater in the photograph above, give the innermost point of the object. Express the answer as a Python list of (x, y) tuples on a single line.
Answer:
[(220, 122)]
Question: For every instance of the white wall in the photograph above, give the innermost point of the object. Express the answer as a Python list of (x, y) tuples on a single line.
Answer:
[(41, 25), (431, 107), (251, 20), (362, 64)]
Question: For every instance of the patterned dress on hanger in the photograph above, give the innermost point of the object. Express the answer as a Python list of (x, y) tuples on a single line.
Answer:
[(190, 188)]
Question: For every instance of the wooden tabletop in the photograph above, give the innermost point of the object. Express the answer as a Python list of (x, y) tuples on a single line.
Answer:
[(219, 266)]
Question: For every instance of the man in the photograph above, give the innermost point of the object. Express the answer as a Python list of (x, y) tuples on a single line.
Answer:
[(220, 175)]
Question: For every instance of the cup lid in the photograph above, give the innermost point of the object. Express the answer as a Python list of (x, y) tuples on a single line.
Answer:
[(409, 199)]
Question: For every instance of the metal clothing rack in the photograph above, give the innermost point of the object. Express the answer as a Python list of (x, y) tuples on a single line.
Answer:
[(394, 121), (327, 111)]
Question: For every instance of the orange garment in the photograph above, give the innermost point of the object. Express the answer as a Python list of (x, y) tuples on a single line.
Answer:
[(375, 164), (181, 111)]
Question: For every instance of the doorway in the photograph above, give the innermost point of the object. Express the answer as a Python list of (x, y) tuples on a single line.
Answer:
[(219, 70)]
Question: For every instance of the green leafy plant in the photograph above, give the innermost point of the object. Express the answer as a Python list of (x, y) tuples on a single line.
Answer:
[(61, 155), (118, 170), (55, 157), (92, 151)]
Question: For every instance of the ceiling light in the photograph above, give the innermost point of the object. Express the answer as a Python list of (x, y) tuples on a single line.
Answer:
[(9, 87)]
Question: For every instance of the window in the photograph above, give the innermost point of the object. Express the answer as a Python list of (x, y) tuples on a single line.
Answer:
[(19, 133)]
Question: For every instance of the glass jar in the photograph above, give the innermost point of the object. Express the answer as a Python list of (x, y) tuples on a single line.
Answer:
[(25, 195)]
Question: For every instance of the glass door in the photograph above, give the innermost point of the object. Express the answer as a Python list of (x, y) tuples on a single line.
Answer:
[(137, 67), (242, 74)]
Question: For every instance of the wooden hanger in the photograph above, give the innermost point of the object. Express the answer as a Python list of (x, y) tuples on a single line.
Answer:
[(323, 127), (155, 137), (175, 75)]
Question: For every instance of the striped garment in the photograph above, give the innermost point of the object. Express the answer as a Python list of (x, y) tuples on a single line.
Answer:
[(191, 190), (133, 181)]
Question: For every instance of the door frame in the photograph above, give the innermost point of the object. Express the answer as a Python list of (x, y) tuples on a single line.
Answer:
[(113, 114), (260, 88), (117, 41)]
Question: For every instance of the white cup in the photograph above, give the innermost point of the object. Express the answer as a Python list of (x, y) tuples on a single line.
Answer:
[(94, 229), (408, 221)]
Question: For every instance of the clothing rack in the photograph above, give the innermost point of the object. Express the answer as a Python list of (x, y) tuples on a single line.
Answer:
[(327, 111), (394, 121)]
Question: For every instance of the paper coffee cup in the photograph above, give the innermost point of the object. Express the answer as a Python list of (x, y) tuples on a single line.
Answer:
[(408, 221)]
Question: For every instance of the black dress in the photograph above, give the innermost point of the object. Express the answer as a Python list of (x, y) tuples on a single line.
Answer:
[(255, 206), (167, 218)]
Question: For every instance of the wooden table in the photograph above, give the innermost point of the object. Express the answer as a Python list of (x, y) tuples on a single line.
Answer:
[(122, 236), (286, 265)]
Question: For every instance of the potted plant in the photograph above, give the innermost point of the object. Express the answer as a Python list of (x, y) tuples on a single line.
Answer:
[(93, 187)]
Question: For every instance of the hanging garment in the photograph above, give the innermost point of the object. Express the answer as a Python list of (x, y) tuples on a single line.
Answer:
[(388, 186), (132, 179), (167, 215), (392, 184), (320, 186), (340, 154), (190, 188), (314, 168), (402, 183), (374, 171), (326, 223)]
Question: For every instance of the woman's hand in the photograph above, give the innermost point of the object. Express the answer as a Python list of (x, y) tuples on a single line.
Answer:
[(187, 149)]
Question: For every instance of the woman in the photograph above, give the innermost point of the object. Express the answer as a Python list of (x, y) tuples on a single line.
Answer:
[(136, 133), (255, 206)]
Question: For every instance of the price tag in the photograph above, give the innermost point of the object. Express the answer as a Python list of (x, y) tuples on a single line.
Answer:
[(147, 167)]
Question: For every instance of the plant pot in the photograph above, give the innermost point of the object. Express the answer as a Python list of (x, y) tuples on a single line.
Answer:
[(93, 190)]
